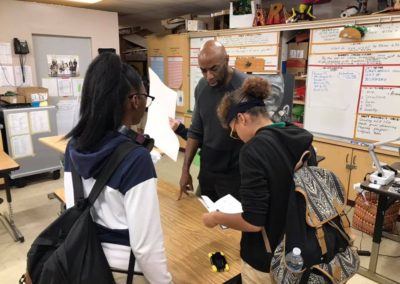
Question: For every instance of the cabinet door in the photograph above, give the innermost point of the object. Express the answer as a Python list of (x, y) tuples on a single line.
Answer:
[(363, 163), (336, 158)]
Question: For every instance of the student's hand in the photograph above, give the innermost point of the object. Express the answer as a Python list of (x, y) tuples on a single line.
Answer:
[(173, 123), (209, 219), (186, 184)]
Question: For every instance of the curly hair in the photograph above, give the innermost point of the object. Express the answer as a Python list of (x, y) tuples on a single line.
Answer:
[(252, 87)]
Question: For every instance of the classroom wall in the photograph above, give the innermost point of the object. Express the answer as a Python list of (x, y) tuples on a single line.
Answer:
[(22, 19)]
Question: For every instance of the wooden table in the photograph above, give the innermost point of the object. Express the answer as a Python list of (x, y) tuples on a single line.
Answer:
[(7, 165), (187, 240), (57, 143)]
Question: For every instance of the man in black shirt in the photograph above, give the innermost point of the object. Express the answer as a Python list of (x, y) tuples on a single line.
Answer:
[(219, 159)]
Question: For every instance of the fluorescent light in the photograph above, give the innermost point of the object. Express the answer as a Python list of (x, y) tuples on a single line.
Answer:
[(86, 1)]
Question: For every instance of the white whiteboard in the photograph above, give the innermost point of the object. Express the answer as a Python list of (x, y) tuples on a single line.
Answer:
[(354, 47), (374, 32), (330, 100), (377, 128), (353, 89)]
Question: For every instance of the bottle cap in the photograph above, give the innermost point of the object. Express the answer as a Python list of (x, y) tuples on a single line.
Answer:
[(296, 251)]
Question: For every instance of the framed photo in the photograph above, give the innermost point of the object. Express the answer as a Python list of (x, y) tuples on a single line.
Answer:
[(63, 65)]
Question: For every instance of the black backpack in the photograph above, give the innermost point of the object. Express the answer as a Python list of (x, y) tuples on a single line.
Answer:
[(68, 251), (317, 224)]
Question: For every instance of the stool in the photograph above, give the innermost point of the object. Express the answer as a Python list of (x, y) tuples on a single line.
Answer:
[(60, 196)]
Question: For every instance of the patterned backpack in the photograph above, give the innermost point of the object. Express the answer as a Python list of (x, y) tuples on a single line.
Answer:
[(317, 224)]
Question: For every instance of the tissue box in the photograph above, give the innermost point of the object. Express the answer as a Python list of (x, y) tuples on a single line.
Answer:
[(298, 50), (195, 25), (37, 94)]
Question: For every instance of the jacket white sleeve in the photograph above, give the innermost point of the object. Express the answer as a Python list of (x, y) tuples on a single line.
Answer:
[(145, 231)]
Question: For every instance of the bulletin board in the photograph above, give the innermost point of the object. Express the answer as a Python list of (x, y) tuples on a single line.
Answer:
[(168, 56), (353, 87), (255, 45)]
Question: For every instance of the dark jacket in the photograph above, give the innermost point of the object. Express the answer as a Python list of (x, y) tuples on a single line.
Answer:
[(267, 164)]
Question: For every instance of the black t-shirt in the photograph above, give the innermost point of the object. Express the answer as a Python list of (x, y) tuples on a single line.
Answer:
[(267, 163), (219, 152)]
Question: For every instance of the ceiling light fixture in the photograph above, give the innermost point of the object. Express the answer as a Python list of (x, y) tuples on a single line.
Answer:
[(86, 1)]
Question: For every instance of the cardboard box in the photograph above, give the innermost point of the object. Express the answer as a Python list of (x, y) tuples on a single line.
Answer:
[(195, 25), (13, 99), (298, 50), (33, 93), (296, 66)]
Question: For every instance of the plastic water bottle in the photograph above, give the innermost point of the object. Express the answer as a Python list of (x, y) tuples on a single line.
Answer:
[(294, 260)]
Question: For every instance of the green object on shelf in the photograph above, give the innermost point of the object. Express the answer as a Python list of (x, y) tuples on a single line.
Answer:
[(298, 113)]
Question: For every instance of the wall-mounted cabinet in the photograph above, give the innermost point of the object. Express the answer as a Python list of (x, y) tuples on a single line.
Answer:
[(168, 56)]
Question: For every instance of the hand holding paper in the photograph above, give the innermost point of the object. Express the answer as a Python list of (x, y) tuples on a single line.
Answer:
[(227, 204)]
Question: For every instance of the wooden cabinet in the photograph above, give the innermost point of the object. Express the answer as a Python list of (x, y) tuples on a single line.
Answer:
[(351, 163)]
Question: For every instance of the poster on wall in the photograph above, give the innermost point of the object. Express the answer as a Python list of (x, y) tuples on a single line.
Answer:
[(63, 65)]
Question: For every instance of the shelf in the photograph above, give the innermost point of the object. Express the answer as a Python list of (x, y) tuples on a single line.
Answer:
[(298, 102), (302, 78), (304, 25)]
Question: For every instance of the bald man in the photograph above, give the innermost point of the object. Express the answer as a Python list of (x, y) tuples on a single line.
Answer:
[(219, 159)]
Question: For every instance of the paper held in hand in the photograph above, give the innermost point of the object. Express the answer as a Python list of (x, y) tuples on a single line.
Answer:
[(227, 204)]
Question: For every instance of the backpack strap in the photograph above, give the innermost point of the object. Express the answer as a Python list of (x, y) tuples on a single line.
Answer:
[(313, 221), (343, 217), (77, 185), (131, 268), (303, 159), (266, 241), (108, 169)]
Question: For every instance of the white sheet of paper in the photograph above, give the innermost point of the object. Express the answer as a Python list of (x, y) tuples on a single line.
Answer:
[(207, 203), (64, 87), (51, 85), (157, 125), (66, 112), (227, 204), (28, 76), (39, 121), (5, 53), (21, 146), (6, 76), (77, 84), (18, 123)]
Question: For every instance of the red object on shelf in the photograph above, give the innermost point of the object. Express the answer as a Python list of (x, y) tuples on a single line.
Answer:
[(300, 92)]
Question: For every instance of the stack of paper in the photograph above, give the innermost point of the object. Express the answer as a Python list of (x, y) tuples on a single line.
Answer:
[(227, 204)]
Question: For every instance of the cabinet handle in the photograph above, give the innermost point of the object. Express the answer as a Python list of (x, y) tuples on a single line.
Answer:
[(354, 162), (347, 158)]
